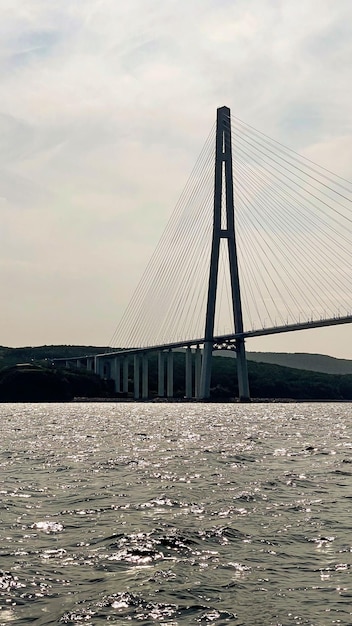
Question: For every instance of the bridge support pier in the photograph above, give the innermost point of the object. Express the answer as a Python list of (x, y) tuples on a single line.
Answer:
[(205, 373), (242, 371), (136, 368), (99, 366), (161, 374), (197, 372), (116, 374), (188, 373), (170, 374), (125, 368), (145, 386)]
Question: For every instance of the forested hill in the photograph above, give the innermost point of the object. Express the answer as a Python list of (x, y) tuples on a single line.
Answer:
[(297, 360), (304, 361), (27, 374), (13, 356)]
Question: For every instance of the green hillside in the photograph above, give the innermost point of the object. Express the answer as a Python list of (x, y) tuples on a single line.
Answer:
[(13, 356), (304, 361), (27, 374), (268, 380), (33, 383)]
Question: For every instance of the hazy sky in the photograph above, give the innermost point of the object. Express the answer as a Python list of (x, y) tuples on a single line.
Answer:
[(104, 107)]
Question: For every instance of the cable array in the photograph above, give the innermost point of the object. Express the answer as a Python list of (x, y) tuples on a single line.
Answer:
[(293, 224), (169, 302), (294, 232)]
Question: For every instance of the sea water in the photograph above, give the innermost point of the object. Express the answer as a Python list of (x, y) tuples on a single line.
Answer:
[(176, 514)]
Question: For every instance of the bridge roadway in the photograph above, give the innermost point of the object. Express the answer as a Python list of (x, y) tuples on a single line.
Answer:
[(108, 363)]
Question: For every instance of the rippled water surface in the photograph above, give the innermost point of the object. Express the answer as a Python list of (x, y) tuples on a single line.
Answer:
[(176, 514)]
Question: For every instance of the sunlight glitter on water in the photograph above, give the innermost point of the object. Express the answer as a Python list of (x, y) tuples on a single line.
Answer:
[(176, 514)]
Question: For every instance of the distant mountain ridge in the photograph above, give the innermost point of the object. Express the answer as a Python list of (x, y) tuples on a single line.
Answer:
[(27, 354), (304, 361), (297, 360), (28, 375)]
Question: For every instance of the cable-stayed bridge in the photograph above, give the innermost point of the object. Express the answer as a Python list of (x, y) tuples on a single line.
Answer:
[(258, 244)]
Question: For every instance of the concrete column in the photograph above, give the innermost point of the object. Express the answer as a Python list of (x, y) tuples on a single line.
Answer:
[(67, 364), (197, 371), (188, 373), (107, 368), (125, 375), (78, 363), (242, 371), (161, 374), (205, 375), (116, 373), (145, 386), (170, 374), (99, 366), (136, 376), (90, 364)]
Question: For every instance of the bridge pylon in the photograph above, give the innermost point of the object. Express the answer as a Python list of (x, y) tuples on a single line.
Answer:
[(224, 228)]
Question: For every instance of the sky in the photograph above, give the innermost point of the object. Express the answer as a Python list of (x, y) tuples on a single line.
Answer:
[(104, 108)]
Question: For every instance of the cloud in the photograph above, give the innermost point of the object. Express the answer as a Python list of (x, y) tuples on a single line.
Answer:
[(104, 109)]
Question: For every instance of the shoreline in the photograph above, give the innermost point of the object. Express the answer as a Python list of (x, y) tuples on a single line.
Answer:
[(213, 401)]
